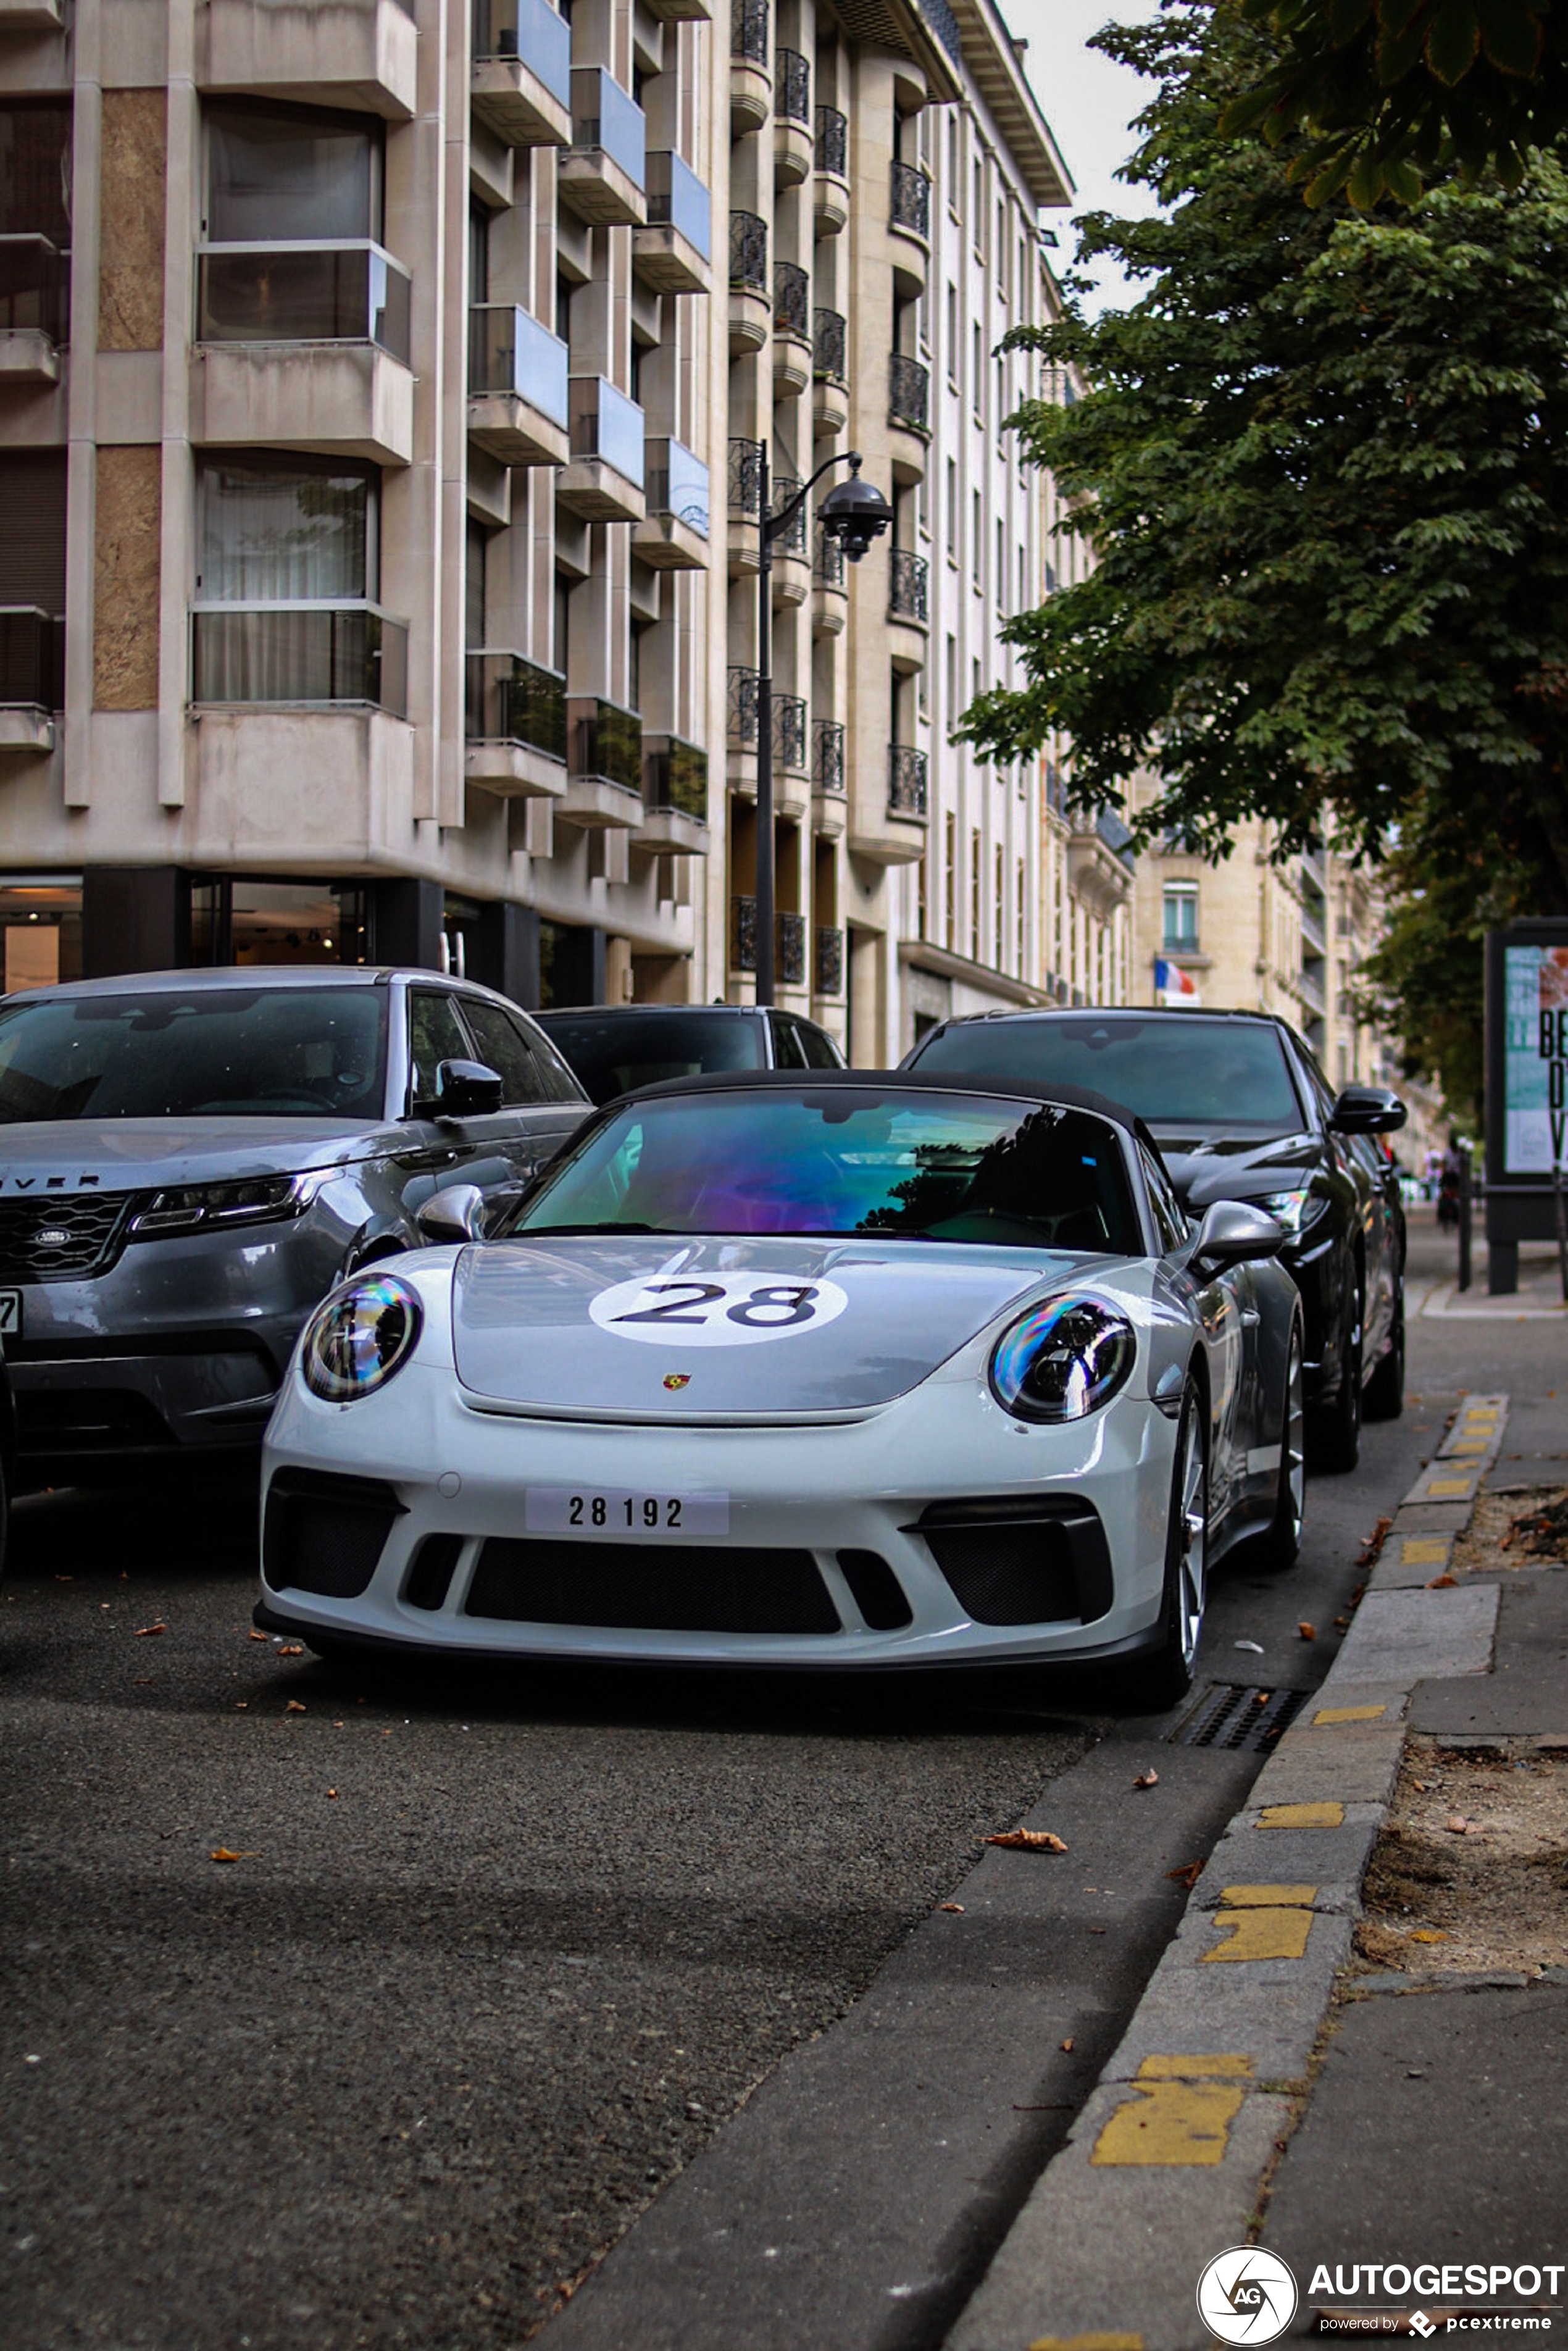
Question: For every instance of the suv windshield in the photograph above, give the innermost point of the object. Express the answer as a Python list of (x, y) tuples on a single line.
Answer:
[(616, 1052), (1180, 1073), (903, 1166), (230, 1052)]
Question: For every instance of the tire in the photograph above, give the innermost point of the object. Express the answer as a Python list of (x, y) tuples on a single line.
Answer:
[(1338, 1430), (1165, 1679), (1281, 1545), (1384, 1396)]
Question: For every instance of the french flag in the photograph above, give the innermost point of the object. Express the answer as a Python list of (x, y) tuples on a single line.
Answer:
[(1172, 985)]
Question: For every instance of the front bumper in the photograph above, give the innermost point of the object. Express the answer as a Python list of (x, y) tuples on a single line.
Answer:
[(449, 1479)]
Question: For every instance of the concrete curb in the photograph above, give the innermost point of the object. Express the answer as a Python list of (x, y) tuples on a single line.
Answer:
[(1164, 2166)]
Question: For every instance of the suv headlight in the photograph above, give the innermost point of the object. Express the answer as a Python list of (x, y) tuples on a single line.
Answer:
[(1294, 1210), (360, 1337), (1063, 1359), (254, 1200)]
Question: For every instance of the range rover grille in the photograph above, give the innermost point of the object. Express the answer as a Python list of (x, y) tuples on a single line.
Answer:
[(63, 1236)]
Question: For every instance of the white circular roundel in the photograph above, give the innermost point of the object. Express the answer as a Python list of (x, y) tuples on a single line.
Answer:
[(720, 1310), (1247, 2296)]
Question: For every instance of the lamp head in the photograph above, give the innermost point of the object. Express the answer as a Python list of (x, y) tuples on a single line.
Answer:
[(854, 512)]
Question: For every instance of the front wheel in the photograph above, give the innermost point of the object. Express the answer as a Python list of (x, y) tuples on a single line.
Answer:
[(1167, 1676), (1338, 1431), (1283, 1541), (1384, 1398)]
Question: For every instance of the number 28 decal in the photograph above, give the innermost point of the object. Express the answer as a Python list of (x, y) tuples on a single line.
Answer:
[(725, 1310)]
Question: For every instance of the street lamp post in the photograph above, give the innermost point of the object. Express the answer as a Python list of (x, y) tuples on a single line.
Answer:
[(854, 513)]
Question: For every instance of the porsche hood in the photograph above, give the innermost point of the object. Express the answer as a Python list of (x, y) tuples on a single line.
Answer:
[(677, 1329)]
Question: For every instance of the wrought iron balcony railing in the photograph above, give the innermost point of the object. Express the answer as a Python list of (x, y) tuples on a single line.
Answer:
[(789, 732), (35, 286), (828, 978), (534, 33), (677, 199), (907, 775), (676, 776), (322, 290), (744, 703), (791, 539), (749, 251), (828, 568), (509, 351), (908, 393), (749, 31), (828, 755), (743, 934), (507, 699), (317, 654), (830, 339), (746, 481), (791, 86), (906, 586), (791, 299), (909, 200), (833, 141), (790, 949)]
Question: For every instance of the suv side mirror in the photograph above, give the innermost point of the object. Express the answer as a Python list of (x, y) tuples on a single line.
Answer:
[(1233, 1232), (1367, 1109), (466, 1090), (456, 1214)]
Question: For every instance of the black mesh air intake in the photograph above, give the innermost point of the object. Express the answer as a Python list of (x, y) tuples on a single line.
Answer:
[(325, 1533), (652, 1587), (1013, 1561)]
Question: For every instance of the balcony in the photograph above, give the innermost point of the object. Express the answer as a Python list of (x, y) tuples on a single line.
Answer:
[(789, 931), (750, 313), (681, 11), (908, 416), (1099, 859), (829, 348), (909, 202), (791, 118), (830, 590), (305, 346), (518, 400), (300, 655), (603, 477), (828, 757), (32, 678), (906, 782), (675, 797), (602, 176), (831, 188), (744, 506), (520, 72), (31, 16), (750, 83), (792, 357), (1314, 945), (363, 54), (743, 709), (908, 614), (513, 720), (35, 309), (791, 564), (674, 537), (673, 252), (789, 733), (828, 963), (604, 765)]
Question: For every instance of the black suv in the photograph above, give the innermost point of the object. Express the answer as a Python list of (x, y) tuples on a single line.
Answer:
[(614, 1048), (1242, 1112)]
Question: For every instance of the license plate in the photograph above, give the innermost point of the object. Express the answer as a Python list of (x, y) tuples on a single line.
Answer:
[(10, 1313), (622, 1511)]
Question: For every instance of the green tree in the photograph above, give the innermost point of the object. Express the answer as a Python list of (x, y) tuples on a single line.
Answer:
[(1323, 467)]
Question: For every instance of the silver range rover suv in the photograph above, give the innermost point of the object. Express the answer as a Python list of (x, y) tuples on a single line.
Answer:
[(189, 1160)]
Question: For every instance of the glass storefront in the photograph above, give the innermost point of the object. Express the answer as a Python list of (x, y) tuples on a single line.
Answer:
[(233, 921), (40, 916)]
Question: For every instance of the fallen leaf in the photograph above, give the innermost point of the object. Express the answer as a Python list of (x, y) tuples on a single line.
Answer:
[(1427, 1935), (1029, 1841), (1373, 1544), (294, 1706), (1442, 1583), (143, 1681), (255, 1636), (1308, 1632), (1457, 1824), (1342, 1624), (65, 1579), (144, 1632), (1187, 1874), (1068, 2044), (956, 1908), (241, 1704), (1149, 1778), (223, 1852), (332, 1792), (292, 1649)]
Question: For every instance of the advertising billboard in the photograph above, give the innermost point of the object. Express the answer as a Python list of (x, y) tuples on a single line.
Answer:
[(1526, 1087)]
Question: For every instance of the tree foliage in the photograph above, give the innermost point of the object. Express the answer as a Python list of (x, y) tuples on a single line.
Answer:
[(1323, 467), (1388, 92)]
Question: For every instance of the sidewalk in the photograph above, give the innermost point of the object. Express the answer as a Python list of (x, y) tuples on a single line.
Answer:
[(1540, 1290), (1375, 2072)]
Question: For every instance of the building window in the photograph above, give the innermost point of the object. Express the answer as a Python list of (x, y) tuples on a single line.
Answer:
[(475, 551), (1180, 936), (952, 682), (279, 175), (978, 539), (1000, 931), (952, 511), (950, 879), (1020, 916), (242, 922), (976, 883), (32, 579), (978, 373), (40, 917), (954, 349), (1001, 562), (953, 168)]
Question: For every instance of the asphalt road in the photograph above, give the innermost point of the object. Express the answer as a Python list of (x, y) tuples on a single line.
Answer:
[(496, 1958)]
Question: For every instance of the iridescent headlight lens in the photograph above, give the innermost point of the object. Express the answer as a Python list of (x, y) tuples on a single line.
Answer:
[(360, 1337), (1063, 1359)]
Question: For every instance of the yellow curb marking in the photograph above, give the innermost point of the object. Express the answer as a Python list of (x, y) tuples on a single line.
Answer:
[(1173, 2117), (1262, 1935), (1424, 1550), (1087, 2343), (1330, 1714), (1301, 1816), (1265, 1898), (1459, 1486), (1475, 1444)]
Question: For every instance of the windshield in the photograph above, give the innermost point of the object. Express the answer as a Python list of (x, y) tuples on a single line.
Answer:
[(1171, 1073), (910, 1167), (615, 1054), (231, 1052)]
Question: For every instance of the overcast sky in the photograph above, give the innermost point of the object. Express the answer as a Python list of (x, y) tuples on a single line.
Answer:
[(1089, 104)]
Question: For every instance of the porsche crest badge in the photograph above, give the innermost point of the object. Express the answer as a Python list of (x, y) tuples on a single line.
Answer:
[(677, 1379)]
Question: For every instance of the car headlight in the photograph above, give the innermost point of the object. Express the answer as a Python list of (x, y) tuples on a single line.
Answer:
[(1063, 1359), (1293, 1210), (254, 1200), (360, 1337)]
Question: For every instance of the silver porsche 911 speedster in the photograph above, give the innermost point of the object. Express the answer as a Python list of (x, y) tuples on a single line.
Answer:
[(800, 1370)]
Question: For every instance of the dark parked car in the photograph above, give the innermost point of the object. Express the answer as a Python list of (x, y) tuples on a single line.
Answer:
[(614, 1049), (1242, 1112), (189, 1160)]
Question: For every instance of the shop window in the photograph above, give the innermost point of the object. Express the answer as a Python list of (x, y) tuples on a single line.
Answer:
[(235, 920), (41, 922)]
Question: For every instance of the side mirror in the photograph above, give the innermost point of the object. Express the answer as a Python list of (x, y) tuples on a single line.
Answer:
[(466, 1090), (455, 1214), (1367, 1109), (1233, 1232)]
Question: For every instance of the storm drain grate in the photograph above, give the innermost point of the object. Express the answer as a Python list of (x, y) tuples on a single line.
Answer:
[(1238, 1714)]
